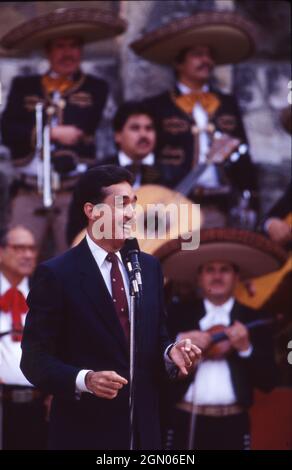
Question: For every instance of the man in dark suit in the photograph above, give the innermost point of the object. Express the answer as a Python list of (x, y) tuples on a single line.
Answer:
[(73, 103), (193, 114), (76, 342)]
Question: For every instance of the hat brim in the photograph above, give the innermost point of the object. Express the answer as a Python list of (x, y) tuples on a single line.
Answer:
[(252, 253), (87, 23), (230, 38)]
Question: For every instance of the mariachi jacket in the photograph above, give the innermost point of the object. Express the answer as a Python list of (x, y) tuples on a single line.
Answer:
[(176, 143), (82, 106)]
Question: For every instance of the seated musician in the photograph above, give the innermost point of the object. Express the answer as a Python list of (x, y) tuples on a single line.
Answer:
[(221, 391), (73, 103), (193, 114), (23, 407)]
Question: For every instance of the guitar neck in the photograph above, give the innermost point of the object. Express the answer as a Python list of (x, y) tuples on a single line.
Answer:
[(220, 150), (187, 184)]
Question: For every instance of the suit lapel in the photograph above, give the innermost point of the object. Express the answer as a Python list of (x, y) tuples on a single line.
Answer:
[(95, 289)]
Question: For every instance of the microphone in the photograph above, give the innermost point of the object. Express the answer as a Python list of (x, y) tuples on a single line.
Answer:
[(130, 254)]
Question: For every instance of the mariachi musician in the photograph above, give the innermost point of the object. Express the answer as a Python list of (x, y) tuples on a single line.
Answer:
[(68, 100), (211, 409), (193, 114)]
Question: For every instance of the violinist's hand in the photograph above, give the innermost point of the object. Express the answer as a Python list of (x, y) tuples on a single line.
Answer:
[(202, 339), (238, 336), (185, 355)]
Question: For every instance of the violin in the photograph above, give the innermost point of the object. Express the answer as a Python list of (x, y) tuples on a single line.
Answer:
[(220, 346)]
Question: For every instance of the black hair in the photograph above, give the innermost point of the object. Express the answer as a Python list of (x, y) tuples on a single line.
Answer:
[(130, 108), (90, 188)]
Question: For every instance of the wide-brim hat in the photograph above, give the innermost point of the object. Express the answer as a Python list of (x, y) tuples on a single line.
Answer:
[(252, 253), (90, 24), (231, 38), (286, 119)]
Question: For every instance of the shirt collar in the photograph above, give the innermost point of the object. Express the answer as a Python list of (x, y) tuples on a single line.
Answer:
[(23, 286), (224, 308), (124, 160), (99, 253), (184, 89)]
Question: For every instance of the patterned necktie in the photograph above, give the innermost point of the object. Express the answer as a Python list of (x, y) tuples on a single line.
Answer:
[(119, 294), (13, 302)]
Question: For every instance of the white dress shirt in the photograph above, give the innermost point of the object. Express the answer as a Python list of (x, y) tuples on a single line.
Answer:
[(10, 351), (209, 178), (99, 255), (212, 384), (124, 160)]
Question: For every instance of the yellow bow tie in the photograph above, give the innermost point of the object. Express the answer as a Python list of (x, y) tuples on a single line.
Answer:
[(208, 101), (61, 84)]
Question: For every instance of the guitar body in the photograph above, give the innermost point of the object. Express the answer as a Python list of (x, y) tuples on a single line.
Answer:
[(269, 286), (185, 216), (177, 214)]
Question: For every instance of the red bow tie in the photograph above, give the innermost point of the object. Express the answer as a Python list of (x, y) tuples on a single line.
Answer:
[(13, 302)]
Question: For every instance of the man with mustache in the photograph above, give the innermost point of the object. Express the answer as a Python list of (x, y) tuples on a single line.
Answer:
[(135, 137), (73, 105), (192, 114), (221, 390)]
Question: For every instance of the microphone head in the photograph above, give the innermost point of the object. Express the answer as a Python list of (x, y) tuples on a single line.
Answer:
[(131, 245)]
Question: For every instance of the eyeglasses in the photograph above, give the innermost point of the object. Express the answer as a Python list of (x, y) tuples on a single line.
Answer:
[(22, 248)]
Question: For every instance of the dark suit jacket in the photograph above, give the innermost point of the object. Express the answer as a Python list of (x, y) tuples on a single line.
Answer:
[(257, 371), (176, 143), (72, 325), (84, 104)]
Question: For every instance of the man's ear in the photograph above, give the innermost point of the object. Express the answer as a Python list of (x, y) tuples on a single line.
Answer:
[(90, 211)]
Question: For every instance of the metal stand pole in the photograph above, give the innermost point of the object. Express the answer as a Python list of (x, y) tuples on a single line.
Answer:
[(132, 369)]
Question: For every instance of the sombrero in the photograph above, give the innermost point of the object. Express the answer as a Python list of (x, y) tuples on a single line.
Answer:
[(251, 252), (90, 24), (230, 37), (286, 119)]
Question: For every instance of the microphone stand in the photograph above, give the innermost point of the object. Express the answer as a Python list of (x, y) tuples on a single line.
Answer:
[(135, 299)]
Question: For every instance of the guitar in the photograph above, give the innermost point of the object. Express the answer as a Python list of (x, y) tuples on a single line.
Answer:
[(189, 218), (187, 215), (266, 287)]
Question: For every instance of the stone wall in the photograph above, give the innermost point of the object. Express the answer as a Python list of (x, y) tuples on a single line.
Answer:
[(259, 84)]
